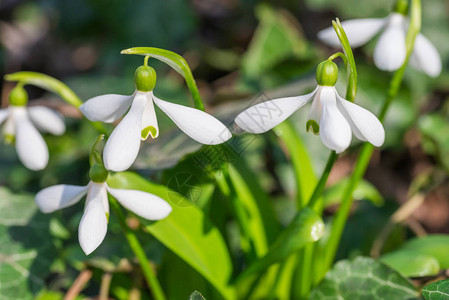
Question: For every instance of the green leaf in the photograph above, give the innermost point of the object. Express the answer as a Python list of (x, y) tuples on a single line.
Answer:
[(300, 159), (276, 39), (411, 264), (437, 290), (47, 83), (364, 191), (435, 245), (305, 228), (177, 62), (186, 232), (26, 247), (363, 278)]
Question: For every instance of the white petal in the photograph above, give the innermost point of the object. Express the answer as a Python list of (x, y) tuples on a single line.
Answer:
[(30, 145), (364, 124), (390, 52), (425, 57), (106, 108), (59, 196), (47, 119), (149, 119), (4, 113), (94, 224), (266, 115), (143, 204), (359, 32), (197, 124), (316, 108), (123, 145), (335, 131)]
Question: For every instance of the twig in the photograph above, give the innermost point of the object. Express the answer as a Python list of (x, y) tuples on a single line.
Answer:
[(78, 285)]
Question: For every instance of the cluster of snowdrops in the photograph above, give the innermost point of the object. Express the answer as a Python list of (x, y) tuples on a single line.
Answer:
[(331, 117)]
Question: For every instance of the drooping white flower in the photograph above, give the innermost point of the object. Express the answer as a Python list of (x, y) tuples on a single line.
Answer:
[(390, 50), (21, 124), (333, 117), (93, 224), (140, 121)]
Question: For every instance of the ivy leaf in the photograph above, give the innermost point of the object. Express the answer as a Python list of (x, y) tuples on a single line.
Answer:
[(364, 278), (26, 248), (437, 290)]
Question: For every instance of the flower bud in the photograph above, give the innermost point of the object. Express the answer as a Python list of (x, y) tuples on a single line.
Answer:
[(18, 96), (98, 173), (327, 73), (145, 78)]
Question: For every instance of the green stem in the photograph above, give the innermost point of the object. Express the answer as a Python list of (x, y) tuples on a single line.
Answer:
[(136, 247), (367, 149), (322, 183)]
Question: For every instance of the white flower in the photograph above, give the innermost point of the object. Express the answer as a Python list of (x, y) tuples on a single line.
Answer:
[(390, 50), (20, 124), (93, 225), (335, 116), (123, 145)]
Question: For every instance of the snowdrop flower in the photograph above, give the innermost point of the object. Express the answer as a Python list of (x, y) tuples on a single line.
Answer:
[(20, 123), (330, 115), (93, 224), (140, 122), (390, 50)]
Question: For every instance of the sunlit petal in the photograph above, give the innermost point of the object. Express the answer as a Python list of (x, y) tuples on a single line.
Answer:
[(197, 124), (335, 131), (30, 145), (425, 57), (47, 119), (143, 204), (59, 196), (149, 119), (390, 52), (266, 115), (364, 124), (106, 108), (123, 145), (359, 32), (93, 225)]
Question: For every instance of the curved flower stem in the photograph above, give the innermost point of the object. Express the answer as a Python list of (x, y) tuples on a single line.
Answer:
[(306, 262), (136, 247), (367, 149)]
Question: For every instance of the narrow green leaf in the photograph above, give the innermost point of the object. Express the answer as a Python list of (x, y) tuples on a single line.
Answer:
[(363, 278), (177, 62), (411, 264), (186, 232), (364, 191), (47, 83), (437, 290), (302, 164), (305, 228)]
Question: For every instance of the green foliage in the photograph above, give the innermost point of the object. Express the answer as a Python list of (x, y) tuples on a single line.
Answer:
[(363, 278), (27, 250), (186, 232), (434, 128), (437, 290)]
